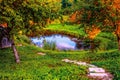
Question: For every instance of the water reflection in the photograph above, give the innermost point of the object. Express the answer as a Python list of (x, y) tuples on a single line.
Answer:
[(62, 42)]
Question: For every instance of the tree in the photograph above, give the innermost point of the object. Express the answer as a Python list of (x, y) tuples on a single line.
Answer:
[(24, 16), (105, 14)]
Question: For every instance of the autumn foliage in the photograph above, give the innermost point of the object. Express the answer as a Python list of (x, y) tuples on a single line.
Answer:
[(4, 24), (93, 32)]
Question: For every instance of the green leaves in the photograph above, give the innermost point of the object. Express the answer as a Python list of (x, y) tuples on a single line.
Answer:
[(18, 13)]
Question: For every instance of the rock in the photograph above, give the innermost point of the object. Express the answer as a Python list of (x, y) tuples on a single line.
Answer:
[(66, 60), (71, 61), (100, 76), (81, 63), (92, 66), (40, 53), (96, 70)]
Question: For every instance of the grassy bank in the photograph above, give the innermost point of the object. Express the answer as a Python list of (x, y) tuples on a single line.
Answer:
[(72, 30), (50, 67), (105, 40), (36, 67)]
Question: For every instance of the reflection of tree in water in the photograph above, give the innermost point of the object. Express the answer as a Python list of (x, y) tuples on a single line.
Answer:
[(79, 43), (44, 41)]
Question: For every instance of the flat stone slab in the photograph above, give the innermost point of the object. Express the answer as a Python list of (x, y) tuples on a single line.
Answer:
[(40, 53), (92, 66), (98, 74), (66, 60), (101, 76), (96, 70), (81, 63)]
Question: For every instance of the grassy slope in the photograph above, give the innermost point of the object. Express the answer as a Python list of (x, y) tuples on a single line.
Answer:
[(50, 66), (37, 67), (107, 40), (108, 60), (67, 29)]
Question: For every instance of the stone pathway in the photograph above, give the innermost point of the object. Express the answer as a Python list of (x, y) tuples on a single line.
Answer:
[(93, 71), (40, 53)]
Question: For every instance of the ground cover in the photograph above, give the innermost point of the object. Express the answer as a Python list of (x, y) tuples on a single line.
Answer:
[(72, 30), (50, 66), (37, 67)]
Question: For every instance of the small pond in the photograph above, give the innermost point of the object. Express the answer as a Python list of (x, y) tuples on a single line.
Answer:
[(62, 42)]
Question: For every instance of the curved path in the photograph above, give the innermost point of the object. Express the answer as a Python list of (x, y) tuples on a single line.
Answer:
[(94, 72)]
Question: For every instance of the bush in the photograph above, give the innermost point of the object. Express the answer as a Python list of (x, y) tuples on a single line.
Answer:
[(49, 45), (22, 39)]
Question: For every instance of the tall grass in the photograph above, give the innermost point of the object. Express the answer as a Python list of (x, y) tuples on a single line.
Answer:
[(49, 45)]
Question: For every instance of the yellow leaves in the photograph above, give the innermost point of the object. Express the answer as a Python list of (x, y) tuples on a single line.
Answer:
[(20, 32), (31, 22), (55, 21), (0, 1), (93, 32)]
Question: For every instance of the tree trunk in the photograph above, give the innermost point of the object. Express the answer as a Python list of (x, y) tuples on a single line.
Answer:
[(92, 46), (17, 59), (118, 39)]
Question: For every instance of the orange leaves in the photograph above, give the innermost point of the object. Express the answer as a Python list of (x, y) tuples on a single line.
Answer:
[(73, 17), (31, 22), (76, 16), (113, 3), (116, 4), (4, 24), (118, 28), (48, 21), (93, 32)]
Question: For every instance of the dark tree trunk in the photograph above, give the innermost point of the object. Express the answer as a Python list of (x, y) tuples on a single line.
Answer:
[(17, 59), (92, 46), (118, 39)]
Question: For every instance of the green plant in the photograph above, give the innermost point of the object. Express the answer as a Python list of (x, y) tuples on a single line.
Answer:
[(49, 45)]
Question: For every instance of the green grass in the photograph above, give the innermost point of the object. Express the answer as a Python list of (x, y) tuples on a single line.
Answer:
[(109, 60), (106, 40), (106, 56), (50, 67), (36, 67), (72, 30)]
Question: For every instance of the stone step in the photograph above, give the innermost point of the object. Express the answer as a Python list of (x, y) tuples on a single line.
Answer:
[(96, 70), (81, 63), (92, 66), (98, 75)]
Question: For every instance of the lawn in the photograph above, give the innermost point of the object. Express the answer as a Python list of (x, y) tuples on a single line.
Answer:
[(50, 67), (36, 67), (72, 30)]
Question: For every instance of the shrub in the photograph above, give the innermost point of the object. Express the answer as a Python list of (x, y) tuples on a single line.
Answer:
[(49, 45)]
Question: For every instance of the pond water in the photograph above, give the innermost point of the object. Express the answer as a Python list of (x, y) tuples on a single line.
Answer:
[(62, 42)]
